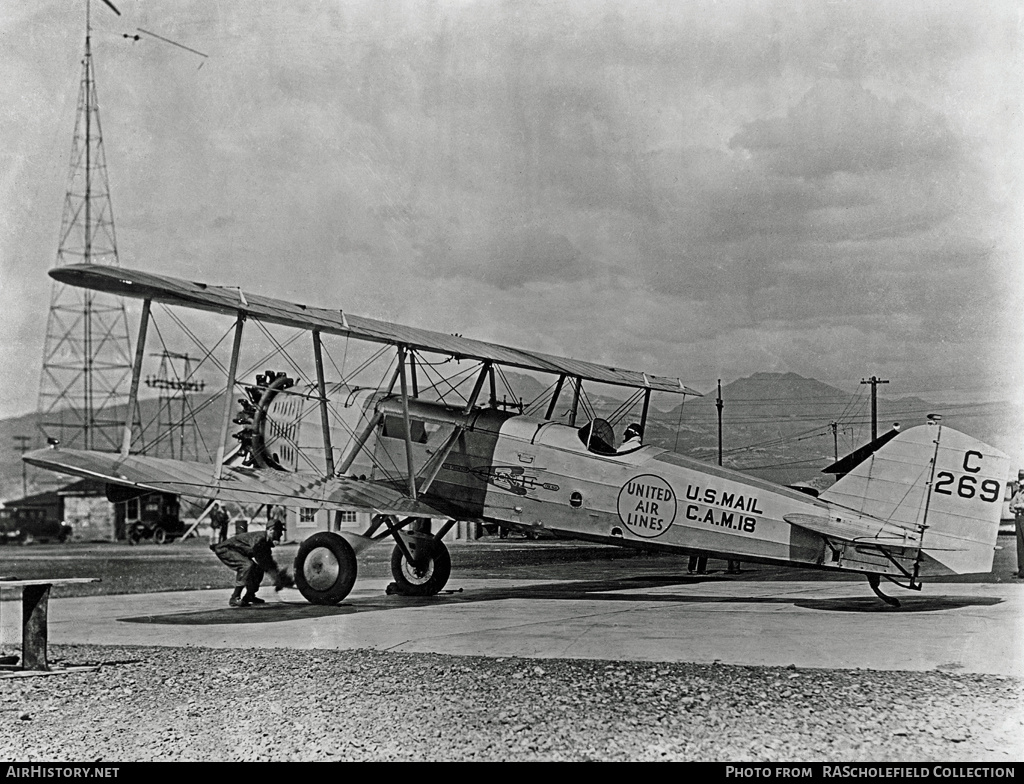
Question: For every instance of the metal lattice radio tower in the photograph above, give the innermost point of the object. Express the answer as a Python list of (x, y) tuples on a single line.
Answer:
[(87, 359)]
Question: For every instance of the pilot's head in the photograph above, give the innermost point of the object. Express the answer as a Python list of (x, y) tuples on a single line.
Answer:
[(634, 431)]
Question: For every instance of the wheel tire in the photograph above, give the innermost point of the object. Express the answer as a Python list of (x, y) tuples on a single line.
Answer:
[(325, 568), (160, 536), (430, 581)]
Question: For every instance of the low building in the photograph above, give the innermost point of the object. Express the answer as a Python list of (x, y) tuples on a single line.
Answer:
[(37, 517), (88, 512)]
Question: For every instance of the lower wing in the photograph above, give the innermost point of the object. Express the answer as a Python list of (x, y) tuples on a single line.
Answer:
[(239, 485)]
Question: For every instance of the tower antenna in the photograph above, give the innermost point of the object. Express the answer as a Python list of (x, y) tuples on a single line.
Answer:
[(87, 354)]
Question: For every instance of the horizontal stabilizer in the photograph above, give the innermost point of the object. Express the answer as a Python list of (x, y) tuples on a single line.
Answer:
[(856, 529), (238, 485)]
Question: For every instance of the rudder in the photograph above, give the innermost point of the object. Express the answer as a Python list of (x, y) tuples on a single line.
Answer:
[(958, 501)]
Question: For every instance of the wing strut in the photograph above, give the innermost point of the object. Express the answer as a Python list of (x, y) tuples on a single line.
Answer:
[(229, 393), (643, 414), (133, 391), (577, 387), (554, 396), (405, 421), (367, 431), (321, 388), (432, 467)]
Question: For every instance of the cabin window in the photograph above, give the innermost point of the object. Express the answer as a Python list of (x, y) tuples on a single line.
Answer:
[(394, 427), (576, 500), (307, 515)]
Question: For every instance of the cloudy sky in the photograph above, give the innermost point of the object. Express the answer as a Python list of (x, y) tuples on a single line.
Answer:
[(698, 189)]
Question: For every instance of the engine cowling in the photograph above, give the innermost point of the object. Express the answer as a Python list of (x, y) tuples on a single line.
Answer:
[(253, 416)]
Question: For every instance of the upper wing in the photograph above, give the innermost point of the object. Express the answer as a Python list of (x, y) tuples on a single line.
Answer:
[(218, 299), (240, 485)]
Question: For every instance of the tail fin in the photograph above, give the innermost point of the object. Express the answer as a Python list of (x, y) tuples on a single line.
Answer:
[(938, 479)]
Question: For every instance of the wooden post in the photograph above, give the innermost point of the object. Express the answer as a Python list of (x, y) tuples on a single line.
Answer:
[(35, 600)]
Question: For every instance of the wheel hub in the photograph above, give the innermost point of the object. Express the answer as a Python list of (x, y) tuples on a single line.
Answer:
[(418, 574), (321, 569)]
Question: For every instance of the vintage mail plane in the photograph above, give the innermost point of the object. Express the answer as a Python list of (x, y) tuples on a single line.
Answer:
[(925, 502)]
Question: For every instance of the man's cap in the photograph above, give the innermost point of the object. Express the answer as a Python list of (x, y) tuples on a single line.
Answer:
[(634, 430)]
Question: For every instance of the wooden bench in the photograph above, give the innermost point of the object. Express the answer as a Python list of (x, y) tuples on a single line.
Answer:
[(35, 601)]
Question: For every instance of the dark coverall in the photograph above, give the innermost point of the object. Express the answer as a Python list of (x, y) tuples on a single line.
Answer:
[(249, 554)]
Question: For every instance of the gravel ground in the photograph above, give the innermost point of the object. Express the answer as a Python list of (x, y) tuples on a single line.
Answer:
[(178, 704)]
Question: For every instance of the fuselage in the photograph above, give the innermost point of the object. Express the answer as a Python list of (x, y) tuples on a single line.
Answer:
[(524, 471), (532, 473)]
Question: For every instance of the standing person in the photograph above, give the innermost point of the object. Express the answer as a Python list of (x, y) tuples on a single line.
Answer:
[(278, 515), (249, 554), (698, 565), (218, 523), (1017, 507), (734, 567)]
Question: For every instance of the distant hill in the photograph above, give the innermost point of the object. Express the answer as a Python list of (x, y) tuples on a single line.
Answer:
[(778, 425), (200, 443), (775, 425)]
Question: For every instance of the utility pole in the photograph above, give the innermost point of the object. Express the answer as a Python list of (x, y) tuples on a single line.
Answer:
[(835, 439), (23, 448), (719, 405), (874, 381)]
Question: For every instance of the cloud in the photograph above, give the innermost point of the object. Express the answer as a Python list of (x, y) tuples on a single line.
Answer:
[(507, 259), (841, 127)]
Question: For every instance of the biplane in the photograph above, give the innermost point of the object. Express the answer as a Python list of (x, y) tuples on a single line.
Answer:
[(922, 502)]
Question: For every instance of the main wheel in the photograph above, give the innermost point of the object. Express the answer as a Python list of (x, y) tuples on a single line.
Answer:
[(426, 580), (325, 568)]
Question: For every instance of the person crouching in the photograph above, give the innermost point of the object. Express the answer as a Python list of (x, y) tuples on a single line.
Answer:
[(249, 554)]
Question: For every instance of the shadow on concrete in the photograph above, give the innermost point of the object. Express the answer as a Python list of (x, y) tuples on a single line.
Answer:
[(598, 590), (908, 605)]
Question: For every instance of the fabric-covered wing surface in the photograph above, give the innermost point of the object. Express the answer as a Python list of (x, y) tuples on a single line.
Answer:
[(218, 299), (239, 485)]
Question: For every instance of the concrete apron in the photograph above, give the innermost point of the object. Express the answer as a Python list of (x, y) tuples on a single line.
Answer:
[(976, 628)]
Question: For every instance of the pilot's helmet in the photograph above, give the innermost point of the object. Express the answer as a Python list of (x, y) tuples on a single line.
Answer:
[(634, 431)]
